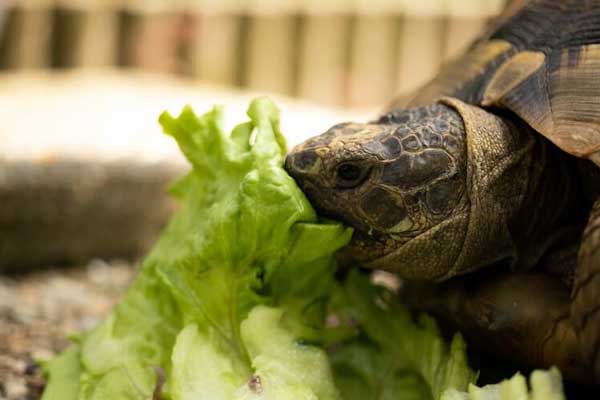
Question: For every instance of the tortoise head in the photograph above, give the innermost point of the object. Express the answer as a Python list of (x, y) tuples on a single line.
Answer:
[(392, 180)]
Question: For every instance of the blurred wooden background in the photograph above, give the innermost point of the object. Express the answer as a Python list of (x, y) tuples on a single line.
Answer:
[(348, 53)]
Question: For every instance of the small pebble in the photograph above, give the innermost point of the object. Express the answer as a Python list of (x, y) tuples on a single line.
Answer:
[(255, 384)]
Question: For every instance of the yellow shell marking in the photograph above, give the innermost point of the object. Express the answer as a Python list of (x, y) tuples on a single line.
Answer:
[(512, 73)]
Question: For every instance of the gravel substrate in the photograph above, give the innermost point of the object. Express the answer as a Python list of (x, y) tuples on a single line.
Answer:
[(39, 311)]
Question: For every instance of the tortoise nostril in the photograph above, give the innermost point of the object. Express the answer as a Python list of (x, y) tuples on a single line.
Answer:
[(301, 162)]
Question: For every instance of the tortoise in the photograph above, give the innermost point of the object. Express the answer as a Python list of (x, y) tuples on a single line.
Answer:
[(486, 182)]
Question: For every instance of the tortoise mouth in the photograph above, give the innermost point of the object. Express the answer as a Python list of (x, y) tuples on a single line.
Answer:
[(367, 245), (365, 249)]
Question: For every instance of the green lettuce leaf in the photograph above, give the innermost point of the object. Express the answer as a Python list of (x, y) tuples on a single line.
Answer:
[(244, 240), (392, 354), (282, 368), (544, 385), (379, 352)]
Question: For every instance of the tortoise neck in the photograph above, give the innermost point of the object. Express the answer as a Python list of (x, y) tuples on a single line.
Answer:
[(551, 211)]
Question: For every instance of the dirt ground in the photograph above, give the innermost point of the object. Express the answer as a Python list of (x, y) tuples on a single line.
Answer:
[(40, 310)]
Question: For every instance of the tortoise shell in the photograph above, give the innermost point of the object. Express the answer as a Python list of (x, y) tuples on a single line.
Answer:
[(540, 60)]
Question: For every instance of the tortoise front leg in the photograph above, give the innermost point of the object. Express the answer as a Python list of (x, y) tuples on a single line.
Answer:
[(585, 309), (522, 317)]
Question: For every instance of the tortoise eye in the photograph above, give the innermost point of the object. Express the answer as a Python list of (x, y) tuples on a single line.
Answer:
[(349, 175)]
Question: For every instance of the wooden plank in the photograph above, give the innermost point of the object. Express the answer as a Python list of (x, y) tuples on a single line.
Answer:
[(4, 8), (465, 22), (270, 54), (460, 33), (10, 30), (28, 36), (151, 40), (420, 51), (372, 61), (97, 41), (215, 48), (323, 58), (67, 23)]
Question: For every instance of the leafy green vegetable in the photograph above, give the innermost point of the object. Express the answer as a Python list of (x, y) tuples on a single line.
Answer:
[(244, 253), (545, 385), (399, 355), (232, 301), (392, 356), (64, 373), (282, 369)]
